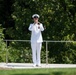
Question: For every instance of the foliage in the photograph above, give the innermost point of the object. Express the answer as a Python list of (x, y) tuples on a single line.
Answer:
[(2, 46), (59, 18)]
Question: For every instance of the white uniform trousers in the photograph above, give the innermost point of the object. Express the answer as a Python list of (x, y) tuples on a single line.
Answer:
[(36, 50)]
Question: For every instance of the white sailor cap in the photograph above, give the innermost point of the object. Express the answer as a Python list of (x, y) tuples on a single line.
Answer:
[(35, 15)]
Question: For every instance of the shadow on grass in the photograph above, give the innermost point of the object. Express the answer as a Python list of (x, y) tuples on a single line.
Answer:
[(31, 74), (51, 73), (58, 73)]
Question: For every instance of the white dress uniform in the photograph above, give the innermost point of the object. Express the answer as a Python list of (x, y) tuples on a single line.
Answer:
[(36, 41)]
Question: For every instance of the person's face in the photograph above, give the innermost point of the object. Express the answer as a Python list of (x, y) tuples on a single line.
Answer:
[(35, 19)]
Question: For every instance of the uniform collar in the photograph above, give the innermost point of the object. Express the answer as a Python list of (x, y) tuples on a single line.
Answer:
[(37, 23)]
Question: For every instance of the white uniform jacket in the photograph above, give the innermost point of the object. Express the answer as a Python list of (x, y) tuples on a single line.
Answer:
[(36, 35)]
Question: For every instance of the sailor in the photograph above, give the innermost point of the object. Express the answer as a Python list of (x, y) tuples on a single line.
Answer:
[(36, 39)]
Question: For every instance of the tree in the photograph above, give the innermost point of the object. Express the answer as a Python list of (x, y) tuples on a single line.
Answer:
[(58, 16), (2, 46)]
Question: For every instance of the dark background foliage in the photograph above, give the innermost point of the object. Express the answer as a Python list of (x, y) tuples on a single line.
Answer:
[(59, 18)]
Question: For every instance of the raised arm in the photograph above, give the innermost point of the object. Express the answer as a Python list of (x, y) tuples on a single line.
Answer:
[(41, 27), (30, 27)]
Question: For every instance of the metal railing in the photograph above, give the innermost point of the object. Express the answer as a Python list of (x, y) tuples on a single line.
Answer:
[(46, 41), (26, 41)]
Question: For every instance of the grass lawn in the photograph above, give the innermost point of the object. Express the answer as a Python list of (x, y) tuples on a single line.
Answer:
[(59, 71)]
